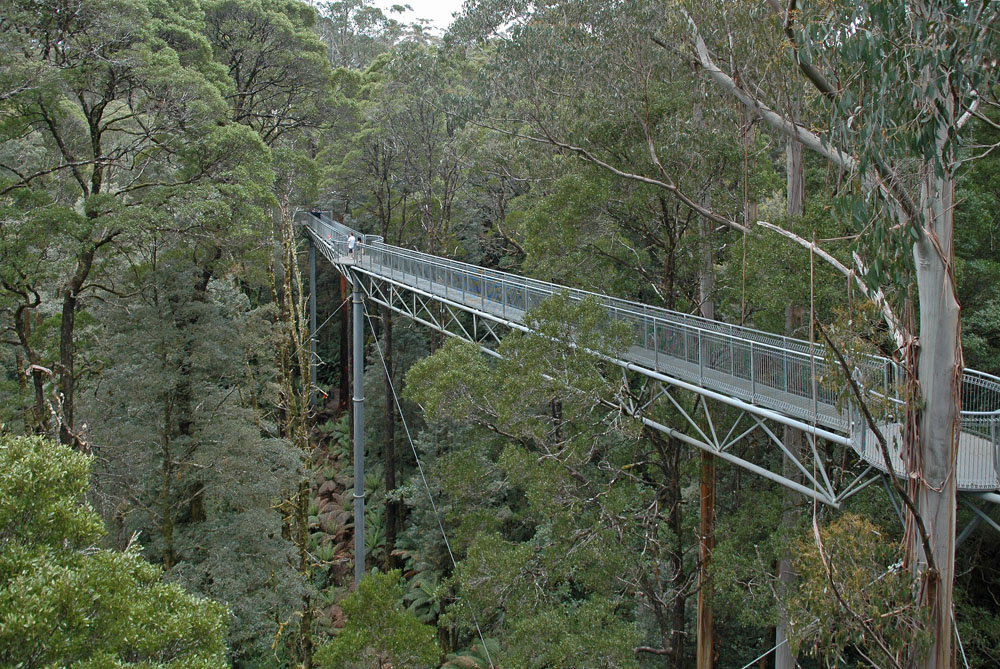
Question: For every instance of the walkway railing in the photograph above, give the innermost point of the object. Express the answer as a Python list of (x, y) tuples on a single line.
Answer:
[(771, 371)]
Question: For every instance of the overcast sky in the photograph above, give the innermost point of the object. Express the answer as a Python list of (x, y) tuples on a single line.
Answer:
[(438, 11)]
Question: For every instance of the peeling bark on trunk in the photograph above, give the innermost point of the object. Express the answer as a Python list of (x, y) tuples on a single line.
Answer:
[(939, 369)]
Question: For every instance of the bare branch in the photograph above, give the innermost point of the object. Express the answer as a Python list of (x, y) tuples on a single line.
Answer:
[(883, 178), (873, 426), (817, 78), (653, 651)]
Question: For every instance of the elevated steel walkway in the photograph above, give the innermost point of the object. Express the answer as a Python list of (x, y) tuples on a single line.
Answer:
[(766, 377)]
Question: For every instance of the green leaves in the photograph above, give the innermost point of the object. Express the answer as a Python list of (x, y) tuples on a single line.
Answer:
[(539, 510), (853, 591), (561, 363), (379, 631), (43, 491), (62, 600)]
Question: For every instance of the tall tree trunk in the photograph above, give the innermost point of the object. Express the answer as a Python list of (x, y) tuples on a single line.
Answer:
[(792, 437), (932, 450), (67, 344), (679, 575), (706, 617), (166, 503), (669, 497), (706, 538)]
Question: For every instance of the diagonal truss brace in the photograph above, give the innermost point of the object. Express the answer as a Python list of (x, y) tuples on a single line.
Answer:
[(706, 437), (441, 315)]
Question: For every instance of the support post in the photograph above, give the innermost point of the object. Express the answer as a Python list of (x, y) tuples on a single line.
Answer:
[(313, 392), (359, 432), (706, 619)]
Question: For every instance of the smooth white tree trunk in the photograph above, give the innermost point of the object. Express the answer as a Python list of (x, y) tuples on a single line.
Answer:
[(932, 457)]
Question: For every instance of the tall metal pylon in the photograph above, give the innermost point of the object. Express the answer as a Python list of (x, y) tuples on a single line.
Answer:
[(358, 316), (313, 388)]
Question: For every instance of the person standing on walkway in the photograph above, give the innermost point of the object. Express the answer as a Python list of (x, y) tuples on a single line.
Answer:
[(351, 241)]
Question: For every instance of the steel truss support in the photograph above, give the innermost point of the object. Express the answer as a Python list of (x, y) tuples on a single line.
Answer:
[(979, 517), (758, 373), (467, 322), (459, 320), (444, 316), (708, 435)]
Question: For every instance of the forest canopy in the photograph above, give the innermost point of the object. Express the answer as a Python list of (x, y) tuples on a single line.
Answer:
[(177, 484)]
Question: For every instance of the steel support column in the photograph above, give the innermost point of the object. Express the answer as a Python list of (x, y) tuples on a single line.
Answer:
[(359, 431), (706, 620), (313, 392)]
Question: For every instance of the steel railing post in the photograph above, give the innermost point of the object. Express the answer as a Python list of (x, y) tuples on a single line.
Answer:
[(503, 297), (996, 449), (701, 356), (656, 345), (784, 368)]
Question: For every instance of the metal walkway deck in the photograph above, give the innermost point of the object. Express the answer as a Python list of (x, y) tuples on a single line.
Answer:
[(767, 377)]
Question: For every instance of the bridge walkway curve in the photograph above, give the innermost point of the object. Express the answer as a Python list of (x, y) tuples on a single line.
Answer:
[(767, 377)]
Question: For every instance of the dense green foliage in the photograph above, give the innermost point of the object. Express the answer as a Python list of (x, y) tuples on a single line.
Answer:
[(155, 156), (378, 631), (66, 601)]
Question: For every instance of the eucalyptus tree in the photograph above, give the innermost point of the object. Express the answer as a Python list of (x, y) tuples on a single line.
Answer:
[(901, 81), (644, 153), (356, 32), (898, 82), (405, 159), (551, 559), (401, 165)]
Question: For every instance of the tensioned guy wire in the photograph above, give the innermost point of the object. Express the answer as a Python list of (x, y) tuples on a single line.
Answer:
[(420, 468), (313, 334), (273, 374)]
